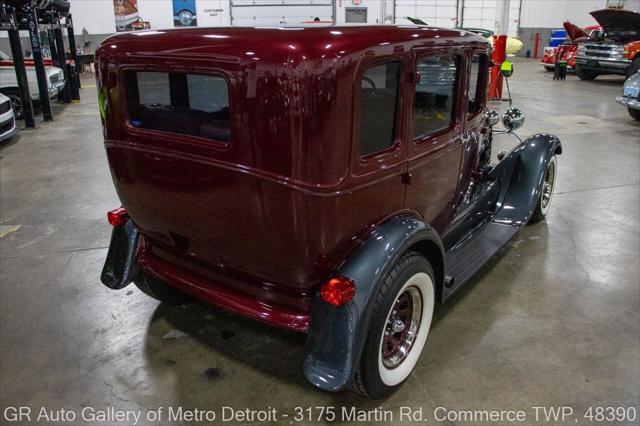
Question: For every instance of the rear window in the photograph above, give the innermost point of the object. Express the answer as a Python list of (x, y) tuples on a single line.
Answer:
[(186, 104)]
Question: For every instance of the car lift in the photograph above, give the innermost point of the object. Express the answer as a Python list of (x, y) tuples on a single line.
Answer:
[(52, 19)]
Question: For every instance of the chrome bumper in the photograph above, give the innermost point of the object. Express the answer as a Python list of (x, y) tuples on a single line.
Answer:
[(603, 62), (628, 102)]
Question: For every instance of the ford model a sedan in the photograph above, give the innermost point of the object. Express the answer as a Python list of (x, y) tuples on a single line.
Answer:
[(335, 181)]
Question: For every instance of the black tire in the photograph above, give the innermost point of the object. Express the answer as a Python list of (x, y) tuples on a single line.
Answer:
[(584, 74), (635, 113), (155, 288), (16, 102), (543, 204), (549, 68), (408, 269), (634, 68)]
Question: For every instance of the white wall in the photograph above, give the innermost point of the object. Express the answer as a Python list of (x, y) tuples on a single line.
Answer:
[(97, 15), (98, 18), (551, 14)]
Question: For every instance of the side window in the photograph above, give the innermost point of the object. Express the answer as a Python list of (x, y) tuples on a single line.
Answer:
[(435, 99), (478, 82), (378, 107), (187, 104)]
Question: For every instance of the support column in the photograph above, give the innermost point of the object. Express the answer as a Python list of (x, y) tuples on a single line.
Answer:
[(21, 76), (41, 74), (65, 93), (72, 48)]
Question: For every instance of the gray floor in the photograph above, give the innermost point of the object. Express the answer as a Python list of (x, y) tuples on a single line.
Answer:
[(555, 320)]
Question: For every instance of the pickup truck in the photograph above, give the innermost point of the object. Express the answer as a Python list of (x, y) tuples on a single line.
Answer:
[(616, 50), (9, 82)]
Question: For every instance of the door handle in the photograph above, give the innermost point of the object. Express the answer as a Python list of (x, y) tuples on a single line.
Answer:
[(466, 137)]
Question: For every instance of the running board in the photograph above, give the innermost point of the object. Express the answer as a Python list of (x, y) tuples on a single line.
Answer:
[(469, 256)]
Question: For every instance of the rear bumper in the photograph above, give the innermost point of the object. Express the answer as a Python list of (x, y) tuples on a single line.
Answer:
[(628, 102), (223, 296), (603, 65)]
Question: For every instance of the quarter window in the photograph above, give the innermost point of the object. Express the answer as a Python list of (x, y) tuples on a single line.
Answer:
[(187, 104), (435, 94), (478, 82), (378, 107)]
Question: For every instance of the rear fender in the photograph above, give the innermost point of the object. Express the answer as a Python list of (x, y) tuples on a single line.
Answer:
[(521, 174), (120, 267), (337, 334)]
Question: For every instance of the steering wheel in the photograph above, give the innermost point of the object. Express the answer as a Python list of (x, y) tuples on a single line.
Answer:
[(368, 80)]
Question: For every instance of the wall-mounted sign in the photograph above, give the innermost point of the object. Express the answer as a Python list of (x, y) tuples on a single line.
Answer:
[(184, 13), (126, 12)]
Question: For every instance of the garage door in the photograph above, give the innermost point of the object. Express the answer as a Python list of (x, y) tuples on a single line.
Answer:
[(482, 14), (437, 13), (276, 12)]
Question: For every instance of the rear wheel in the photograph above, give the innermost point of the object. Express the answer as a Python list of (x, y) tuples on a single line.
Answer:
[(400, 320), (544, 202), (635, 113), (584, 74), (160, 291)]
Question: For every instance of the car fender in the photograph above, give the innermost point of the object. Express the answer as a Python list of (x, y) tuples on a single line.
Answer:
[(521, 174), (337, 334), (120, 267)]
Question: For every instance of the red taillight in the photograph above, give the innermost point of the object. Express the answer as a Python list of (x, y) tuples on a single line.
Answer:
[(338, 291), (117, 217)]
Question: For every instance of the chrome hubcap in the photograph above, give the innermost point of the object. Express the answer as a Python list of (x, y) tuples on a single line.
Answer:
[(547, 187), (401, 327)]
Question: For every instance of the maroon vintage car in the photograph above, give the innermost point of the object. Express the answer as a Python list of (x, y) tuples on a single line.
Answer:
[(332, 180)]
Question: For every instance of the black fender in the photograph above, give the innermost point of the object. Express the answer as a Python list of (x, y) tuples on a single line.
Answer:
[(120, 267), (337, 334), (521, 174)]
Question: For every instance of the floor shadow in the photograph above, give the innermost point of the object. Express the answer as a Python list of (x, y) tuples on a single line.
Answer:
[(9, 142)]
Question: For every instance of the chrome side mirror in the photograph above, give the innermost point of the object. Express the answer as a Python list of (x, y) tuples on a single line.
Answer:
[(491, 117), (512, 119)]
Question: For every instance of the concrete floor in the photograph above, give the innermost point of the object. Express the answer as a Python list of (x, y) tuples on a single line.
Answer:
[(555, 320)]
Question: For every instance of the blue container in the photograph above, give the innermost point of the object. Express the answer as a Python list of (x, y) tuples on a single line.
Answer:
[(556, 41), (558, 34)]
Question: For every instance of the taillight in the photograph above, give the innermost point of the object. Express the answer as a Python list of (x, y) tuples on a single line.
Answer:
[(338, 291), (117, 217)]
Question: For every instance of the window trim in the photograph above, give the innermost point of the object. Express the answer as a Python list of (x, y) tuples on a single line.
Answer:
[(483, 100), (455, 112), (170, 136), (394, 152)]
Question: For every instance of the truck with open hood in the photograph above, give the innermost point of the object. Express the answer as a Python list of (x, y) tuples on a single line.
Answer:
[(614, 51)]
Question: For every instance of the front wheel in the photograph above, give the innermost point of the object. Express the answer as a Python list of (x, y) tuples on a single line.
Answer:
[(400, 320), (635, 113), (548, 185), (584, 74)]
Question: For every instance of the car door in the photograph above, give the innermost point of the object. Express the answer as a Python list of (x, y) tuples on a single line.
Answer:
[(435, 131), (475, 129), (379, 151)]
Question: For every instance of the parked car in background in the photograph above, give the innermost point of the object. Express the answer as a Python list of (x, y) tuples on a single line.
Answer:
[(631, 95), (356, 200), (514, 45), (567, 51), (615, 50), (9, 82), (8, 125)]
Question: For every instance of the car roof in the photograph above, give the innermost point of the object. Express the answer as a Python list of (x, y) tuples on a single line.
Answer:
[(283, 43)]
